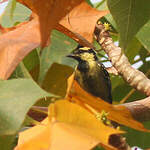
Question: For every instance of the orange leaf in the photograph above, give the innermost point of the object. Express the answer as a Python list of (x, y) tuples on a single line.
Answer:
[(49, 13), (16, 44), (23, 38), (5, 30), (69, 127), (119, 114), (77, 37), (54, 136), (82, 19), (81, 123), (35, 138), (77, 16)]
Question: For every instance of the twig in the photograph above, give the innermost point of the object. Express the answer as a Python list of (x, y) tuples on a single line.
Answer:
[(127, 96)]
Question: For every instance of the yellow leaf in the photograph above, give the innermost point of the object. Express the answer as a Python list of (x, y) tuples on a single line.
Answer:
[(119, 114), (80, 121)]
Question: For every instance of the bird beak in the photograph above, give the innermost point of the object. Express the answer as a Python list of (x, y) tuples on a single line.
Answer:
[(71, 55)]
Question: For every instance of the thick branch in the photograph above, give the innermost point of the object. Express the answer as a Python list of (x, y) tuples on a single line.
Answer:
[(120, 62), (140, 109)]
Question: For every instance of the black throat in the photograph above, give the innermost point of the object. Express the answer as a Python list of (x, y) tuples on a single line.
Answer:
[(83, 66)]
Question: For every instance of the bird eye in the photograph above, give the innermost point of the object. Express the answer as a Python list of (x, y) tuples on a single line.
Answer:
[(92, 51), (80, 51)]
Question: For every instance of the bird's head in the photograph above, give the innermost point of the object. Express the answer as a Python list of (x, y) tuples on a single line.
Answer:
[(82, 54)]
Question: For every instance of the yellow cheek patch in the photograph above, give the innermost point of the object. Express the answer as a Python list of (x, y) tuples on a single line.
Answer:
[(87, 56), (85, 48)]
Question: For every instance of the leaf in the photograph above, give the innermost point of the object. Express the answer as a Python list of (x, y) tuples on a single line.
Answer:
[(21, 36), (133, 49), (69, 126), (8, 142), (32, 60), (20, 14), (21, 72), (56, 79), (22, 41), (127, 15), (13, 6), (118, 114), (75, 36), (89, 2), (16, 97), (11, 53), (82, 20), (80, 118), (103, 6), (25, 68), (37, 137), (143, 35), (61, 45), (48, 13), (142, 138)]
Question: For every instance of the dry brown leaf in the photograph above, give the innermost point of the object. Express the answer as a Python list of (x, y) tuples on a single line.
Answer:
[(22, 39), (16, 44), (119, 114), (49, 13), (5, 30), (82, 19), (77, 37), (77, 16)]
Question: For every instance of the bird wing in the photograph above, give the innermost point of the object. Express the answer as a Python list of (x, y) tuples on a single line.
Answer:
[(108, 81)]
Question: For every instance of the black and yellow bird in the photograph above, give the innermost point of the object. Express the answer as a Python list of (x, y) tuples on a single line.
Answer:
[(91, 74)]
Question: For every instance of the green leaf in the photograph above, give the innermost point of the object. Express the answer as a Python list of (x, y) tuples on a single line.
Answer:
[(110, 19), (89, 2), (130, 16), (143, 54), (101, 5), (8, 142), (16, 98), (137, 138), (20, 14), (56, 79), (29, 67), (12, 9), (144, 36), (32, 60), (119, 88), (21, 72), (61, 45), (133, 50)]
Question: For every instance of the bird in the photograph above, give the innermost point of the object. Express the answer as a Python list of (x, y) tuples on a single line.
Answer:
[(91, 74)]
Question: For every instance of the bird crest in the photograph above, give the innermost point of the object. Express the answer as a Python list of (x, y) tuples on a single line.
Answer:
[(84, 48)]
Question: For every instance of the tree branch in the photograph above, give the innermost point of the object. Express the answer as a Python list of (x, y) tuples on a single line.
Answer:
[(140, 109), (120, 62)]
